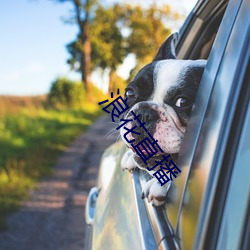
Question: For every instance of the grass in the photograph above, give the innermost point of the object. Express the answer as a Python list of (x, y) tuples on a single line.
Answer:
[(31, 139)]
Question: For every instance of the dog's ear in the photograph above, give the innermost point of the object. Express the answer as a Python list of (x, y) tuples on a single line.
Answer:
[(167, 49)]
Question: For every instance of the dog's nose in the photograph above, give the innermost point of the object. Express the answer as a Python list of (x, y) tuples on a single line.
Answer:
[(148, 116)]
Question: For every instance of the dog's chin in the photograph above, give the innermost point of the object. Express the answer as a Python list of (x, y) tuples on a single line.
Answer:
[(152, 161)]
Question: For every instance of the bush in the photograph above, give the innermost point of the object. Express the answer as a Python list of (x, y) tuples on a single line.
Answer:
[(66, 93)]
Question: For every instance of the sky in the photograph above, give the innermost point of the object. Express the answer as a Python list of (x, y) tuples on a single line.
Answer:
[(32, 44)]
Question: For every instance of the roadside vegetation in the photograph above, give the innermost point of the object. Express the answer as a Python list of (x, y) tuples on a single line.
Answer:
[(34, 131)]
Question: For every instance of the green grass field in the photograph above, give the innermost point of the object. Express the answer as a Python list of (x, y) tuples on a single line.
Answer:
[(31, 139)]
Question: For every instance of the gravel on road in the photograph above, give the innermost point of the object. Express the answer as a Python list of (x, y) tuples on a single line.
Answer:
[(53, 217)]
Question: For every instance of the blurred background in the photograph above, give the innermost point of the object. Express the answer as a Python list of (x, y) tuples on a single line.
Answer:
[(58, 59)]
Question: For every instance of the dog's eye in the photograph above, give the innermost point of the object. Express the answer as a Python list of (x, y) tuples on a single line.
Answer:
[(183, 102), (130, 93)]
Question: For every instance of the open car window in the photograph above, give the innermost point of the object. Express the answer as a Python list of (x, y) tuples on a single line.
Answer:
[(198, 33)]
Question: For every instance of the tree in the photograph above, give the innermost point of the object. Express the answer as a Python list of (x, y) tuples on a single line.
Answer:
[(108, 48), (119, 30), (108, 44), (83, 15), (148, 31)]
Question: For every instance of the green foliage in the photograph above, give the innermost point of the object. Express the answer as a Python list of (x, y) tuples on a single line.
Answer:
[(31, 139), (66, 93), (148, 30), (107, 43), (119, 30), (108, 48), (74, 48)]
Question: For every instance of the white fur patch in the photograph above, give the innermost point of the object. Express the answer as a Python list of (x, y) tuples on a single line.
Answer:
[(169, 73)]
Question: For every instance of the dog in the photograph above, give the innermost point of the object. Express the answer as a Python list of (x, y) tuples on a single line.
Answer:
[(161, 94)]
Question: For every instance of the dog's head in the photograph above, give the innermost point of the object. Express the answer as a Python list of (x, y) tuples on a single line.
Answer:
[(162, 94)]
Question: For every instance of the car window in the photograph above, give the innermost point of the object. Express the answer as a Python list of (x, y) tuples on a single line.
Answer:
[(198, 34)]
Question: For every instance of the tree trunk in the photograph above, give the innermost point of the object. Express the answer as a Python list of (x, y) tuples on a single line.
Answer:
[(86, 58), (112, 81)]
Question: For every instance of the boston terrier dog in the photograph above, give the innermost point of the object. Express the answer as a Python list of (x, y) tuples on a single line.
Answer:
[(161, 95)]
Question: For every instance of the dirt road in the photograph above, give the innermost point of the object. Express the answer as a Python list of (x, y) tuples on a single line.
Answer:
[(53, 218)]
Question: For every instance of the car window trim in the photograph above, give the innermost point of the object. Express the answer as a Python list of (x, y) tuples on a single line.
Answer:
[(145, 224)]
